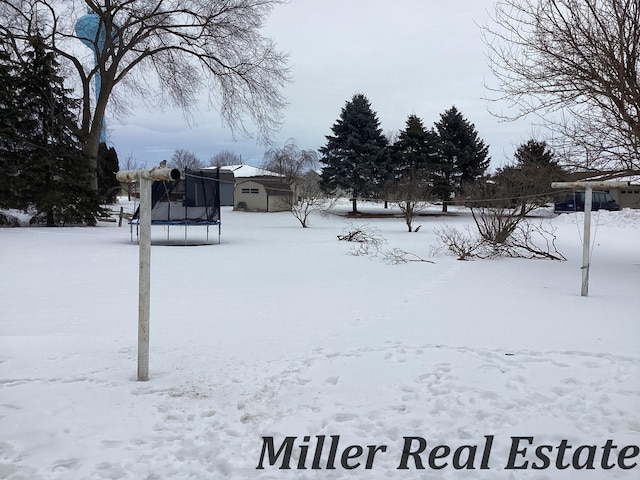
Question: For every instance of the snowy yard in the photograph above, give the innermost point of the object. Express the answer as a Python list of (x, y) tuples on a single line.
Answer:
[(279, 332)]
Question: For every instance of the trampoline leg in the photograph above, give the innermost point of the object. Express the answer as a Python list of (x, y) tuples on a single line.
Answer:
[(137, 232)]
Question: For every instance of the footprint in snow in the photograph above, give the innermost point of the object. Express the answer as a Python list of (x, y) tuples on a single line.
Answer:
[(65, 464), (346, 417), (332, 380)]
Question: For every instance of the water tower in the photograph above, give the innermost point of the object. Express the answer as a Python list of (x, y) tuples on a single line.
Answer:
[(92, 32)]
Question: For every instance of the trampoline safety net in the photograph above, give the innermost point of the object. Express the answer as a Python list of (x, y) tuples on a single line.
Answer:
[(193, 199)]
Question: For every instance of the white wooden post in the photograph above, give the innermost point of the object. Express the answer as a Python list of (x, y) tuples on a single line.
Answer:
[(144, 278), (146, 179)]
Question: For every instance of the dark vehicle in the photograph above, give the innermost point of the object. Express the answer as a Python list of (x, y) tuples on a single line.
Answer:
[(574, 202)]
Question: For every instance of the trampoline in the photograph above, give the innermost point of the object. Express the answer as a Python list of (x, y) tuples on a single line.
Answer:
[(191, 201)]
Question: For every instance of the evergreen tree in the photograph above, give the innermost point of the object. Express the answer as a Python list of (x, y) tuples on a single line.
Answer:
[(534, 152), (108, 165), (355, 156), (54, 173), (415, 151), (412, 161), (528, 181), (12, 118), (463, 156)]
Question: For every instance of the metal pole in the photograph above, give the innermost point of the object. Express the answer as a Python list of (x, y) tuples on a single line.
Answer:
[(588, 200), (586, 244), (144, 288)]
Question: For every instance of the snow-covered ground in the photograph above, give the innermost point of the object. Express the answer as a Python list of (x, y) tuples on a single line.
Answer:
[(279, 332)]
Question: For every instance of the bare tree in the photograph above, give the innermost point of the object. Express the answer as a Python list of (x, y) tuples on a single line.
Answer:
[(500, 208), (576, 64), (184, 159), (289, 161), (525, 240), (225, 158), (130, 164), (297, 169), (163, 53), (410, 193), (308, 197)]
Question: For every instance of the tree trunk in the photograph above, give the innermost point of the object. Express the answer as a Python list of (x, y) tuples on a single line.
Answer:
[(354, 205), (90, 148), (445, 204)]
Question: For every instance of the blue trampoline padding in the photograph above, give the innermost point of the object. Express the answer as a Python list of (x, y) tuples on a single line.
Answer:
[(136, 221)]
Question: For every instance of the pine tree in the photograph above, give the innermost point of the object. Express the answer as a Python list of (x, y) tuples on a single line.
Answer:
[(534, 152), (412, 161), (416, 149), (528, 180), (108, 165), (54, 173), (355, 156), (11, 116), (463, 156)]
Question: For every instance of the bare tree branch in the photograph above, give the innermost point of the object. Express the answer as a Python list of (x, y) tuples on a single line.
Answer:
[(169, 51), (225, 158), (297, 167), (575, 64), (184, 159)]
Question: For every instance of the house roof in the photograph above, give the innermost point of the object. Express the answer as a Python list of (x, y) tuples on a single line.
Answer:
[(248, 171), (225, 175), (632, 176)]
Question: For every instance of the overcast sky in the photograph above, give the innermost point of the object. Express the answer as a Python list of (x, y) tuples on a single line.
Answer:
[(406, 56)]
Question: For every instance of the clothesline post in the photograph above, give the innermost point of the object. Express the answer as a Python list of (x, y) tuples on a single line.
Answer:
[(586, 240), (145, 179)]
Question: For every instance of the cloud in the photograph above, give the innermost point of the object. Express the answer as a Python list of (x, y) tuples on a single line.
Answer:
[(408, 56)]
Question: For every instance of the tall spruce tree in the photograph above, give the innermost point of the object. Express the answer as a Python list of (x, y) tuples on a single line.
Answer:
[(12, 118), (108, 165), (356, 155), (528, 180), (412, 162), (416, 149), (463, 156), (54, 173), (534, 152)]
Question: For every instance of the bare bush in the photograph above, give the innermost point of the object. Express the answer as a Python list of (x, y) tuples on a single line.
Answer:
[(505, 232), (501, 237), (369, 242), (463, 244), (368, 239), (396, 256), (536, 241), (496, 225), (409, 193), (308, 197)]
